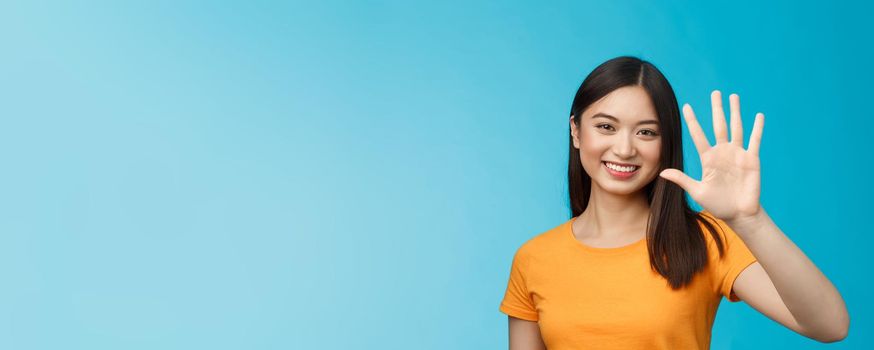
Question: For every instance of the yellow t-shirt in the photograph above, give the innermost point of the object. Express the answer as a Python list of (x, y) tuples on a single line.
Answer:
[(586, 297)]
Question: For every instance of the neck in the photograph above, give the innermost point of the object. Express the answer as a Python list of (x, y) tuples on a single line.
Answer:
[(612, 216)]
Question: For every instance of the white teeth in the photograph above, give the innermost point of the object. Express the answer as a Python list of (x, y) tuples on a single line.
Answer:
[(621, 168)]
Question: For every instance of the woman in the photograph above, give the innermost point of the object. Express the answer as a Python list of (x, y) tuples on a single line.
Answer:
[(636, 267)]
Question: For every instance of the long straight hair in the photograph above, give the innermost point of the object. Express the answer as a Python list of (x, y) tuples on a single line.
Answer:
[(675, 241)]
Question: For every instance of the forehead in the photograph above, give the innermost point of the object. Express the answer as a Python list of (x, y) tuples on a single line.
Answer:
[(630, 104)]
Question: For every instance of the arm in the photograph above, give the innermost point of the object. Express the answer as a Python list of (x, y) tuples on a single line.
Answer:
[(785, 285), (730, 187), (525, 335)]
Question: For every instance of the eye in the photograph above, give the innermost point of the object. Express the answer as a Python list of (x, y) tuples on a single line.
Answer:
[(651, 132), (599, 126)]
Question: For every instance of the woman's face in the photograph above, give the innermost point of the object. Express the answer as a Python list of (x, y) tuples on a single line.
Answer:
[(623, 128)]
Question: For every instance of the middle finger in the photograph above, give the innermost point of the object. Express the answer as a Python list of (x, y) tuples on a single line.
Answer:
[(719, 127)]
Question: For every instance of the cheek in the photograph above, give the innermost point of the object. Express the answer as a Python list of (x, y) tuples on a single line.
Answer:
[(652, 154), (592, 142), (591, 149)]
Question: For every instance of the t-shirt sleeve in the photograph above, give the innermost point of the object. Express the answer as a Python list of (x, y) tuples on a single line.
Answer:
[(517, 299), (736, 257)]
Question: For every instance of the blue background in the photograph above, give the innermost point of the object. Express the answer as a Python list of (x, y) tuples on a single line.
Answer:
[(358, 175)]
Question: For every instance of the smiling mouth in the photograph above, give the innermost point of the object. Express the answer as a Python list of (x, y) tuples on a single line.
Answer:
[(627, 169)]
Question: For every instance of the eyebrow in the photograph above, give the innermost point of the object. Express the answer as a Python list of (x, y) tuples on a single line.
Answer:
[(607, 116)]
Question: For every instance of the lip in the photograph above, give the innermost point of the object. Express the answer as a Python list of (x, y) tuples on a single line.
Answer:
[(620, 175), (622, 164)]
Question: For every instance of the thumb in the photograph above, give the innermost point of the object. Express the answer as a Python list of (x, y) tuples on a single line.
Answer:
[(679, 178)]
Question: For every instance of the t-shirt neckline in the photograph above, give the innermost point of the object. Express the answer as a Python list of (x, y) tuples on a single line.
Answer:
[(569, 233)]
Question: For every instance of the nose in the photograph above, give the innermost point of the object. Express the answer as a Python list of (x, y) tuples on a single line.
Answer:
[(624, 147)]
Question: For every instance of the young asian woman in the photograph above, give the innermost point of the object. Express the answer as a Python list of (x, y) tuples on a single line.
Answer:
[(635, 267)]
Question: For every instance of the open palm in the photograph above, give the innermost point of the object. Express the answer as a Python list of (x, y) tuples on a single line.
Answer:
[(731, 176)]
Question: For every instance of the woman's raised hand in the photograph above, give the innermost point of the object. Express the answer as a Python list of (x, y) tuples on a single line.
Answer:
[(730, 175)]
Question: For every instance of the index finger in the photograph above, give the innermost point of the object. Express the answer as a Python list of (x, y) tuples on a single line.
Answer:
[(698, 136)]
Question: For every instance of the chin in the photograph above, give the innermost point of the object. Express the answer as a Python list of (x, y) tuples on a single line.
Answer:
[(626, 187), (622, 191)]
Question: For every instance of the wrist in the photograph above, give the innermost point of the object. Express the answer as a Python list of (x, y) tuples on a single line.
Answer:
[(746, 224)]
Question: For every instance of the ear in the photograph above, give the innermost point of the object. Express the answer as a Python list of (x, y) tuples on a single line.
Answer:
[(574, 130)]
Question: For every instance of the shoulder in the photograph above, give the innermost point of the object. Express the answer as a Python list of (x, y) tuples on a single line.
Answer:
[(727, 236), (544, 242)]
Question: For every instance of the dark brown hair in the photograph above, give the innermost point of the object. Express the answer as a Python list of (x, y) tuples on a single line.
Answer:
[(675, 241)]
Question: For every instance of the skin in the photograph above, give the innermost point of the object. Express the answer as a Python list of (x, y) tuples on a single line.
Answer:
[(611, 200), (783, 284), (627, 141)]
